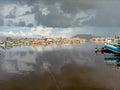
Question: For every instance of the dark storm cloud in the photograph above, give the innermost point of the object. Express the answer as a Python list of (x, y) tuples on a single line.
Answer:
[(54, 19), (1, 22), (108, 15), (30, 25), (27, 13), (10, 16), (22, 23), (32, 2), (74, 6), (107, 12), (29, 2)]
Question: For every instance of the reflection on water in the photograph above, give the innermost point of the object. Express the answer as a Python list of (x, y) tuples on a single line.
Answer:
[(63, 68), (20, 60), (113, 61)]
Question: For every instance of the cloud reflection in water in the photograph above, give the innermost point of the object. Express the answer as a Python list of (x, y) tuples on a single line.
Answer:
[(70, 67)]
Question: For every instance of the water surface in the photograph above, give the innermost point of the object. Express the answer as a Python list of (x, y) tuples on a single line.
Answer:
[(75, 67)]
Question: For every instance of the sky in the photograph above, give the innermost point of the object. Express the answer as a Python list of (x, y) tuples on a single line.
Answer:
[(59, 18)]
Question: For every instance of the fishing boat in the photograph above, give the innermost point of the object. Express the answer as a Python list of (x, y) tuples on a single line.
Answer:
[(113, 46)]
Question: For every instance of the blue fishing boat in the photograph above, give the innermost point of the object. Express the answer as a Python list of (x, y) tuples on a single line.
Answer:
[(115, 48)]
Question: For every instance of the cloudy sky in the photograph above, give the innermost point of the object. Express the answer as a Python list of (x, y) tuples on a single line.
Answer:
[(59, 17)]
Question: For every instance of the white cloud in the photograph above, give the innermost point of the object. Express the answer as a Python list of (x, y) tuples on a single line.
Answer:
[(7, 8), (67, 32), (45, 11), (19, 12), (27, 18), (40, 31), (83, 16), (7, 34), (22, 10), (43, 31), (31, 32)]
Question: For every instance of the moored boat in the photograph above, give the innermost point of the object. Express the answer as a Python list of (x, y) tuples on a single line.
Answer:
[(115, 48)]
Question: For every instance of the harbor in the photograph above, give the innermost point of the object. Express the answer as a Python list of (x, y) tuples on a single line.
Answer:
[(59, 45), (43, 41)]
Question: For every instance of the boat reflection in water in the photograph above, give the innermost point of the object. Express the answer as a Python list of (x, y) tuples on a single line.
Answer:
[(112, 60)]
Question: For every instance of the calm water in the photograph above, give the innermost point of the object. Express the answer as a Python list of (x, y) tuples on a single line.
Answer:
[(75, 67)]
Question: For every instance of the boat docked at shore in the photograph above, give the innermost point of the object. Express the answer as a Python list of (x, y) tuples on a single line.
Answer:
[(113, 46)]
